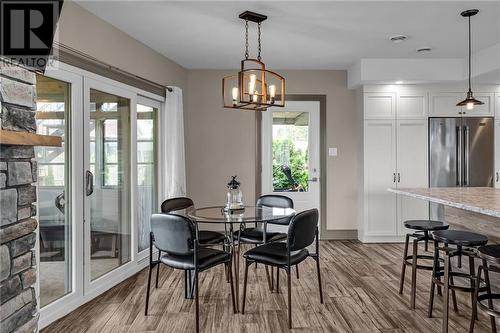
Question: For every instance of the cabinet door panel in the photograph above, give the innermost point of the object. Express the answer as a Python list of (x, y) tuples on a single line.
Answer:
[(412, 168), (412, 106), (497, 105), (497, 154), (484, 110), (444, 105), (380, 164), (379, 105)]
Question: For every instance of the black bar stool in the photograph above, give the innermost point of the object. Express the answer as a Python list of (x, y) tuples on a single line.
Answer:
[(490, 257), (422, 227), (464, 242)]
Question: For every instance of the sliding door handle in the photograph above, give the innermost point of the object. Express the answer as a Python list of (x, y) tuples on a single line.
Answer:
[(399, 177), (89, 183), (394, 177), (497, 176)]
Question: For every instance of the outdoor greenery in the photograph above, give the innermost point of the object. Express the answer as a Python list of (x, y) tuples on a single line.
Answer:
[(285, 153)]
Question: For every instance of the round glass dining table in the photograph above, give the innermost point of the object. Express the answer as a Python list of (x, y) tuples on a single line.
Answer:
[(250, 214)]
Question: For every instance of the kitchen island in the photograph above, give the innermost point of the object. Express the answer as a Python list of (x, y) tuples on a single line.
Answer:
[(475, 209)]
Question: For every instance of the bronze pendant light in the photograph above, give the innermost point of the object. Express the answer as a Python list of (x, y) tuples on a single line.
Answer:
[(469, 102), (254, 87)]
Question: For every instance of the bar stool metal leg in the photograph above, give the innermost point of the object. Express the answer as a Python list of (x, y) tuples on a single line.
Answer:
[(414, 273), (403, 268), (446, 293)]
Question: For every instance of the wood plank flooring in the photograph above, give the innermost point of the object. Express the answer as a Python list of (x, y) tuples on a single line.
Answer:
[(360, 283)]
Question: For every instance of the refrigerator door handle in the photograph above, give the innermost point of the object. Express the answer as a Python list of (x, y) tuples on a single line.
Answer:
[(459, 156), (466, 156)]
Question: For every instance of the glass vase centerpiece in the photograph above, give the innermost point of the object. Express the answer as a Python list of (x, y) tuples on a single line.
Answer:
[(234, 198)]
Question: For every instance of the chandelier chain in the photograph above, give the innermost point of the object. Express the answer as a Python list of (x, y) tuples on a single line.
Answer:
[(246, 39), (260, 46)]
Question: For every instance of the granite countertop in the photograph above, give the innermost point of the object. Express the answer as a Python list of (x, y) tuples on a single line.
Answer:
[(483, 200)]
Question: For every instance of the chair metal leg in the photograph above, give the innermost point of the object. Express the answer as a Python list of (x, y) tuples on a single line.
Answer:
[(289, 283), (488, 290), (277, 280), (435, 267), (403, 268), (245, 280), (319, 280), (474, 301), (446, 293), (158, 268), (272, 278), (230, 273), (269, 281), (472, 272), (147, 291), (297, 268), (197, 301), (414, 274)]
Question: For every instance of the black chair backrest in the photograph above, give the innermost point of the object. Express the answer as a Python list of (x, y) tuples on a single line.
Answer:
[(302, 230), (174, 204), (273, 200), (173, 234)]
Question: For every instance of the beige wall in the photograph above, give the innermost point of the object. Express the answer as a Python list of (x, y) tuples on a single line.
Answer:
[(221, 142), (85, 32)]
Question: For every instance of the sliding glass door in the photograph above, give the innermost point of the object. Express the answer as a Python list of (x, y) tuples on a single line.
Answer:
[(107, 160), (97, 192)]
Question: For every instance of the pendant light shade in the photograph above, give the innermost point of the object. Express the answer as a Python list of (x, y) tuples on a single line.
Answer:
[(469, 102), (254, 87)]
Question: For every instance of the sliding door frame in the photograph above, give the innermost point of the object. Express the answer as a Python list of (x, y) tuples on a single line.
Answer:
[(82, 290)]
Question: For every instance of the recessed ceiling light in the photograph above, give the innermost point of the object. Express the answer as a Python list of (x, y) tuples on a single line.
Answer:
[(398, 38), (424, 49), (399, 82)]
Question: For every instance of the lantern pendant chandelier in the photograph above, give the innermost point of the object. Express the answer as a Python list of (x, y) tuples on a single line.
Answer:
[(254, 87), (469, 102)]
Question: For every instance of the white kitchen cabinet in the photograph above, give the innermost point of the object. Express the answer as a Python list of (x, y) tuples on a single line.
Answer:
[(485, 110), (412, 169), (497, 105), (444, 104), (379, 174), (412, 106), (496, 180), (380, 105)]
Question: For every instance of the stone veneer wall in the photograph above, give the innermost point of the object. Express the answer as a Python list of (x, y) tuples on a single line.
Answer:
[(18, 172)]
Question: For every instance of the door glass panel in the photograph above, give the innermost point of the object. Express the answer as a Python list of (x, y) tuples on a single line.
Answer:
[(290, 151), (110, 202), (52, 118), (146, 171)]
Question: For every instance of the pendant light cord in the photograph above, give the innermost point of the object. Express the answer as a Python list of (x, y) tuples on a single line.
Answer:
[(260, 46), (246, 39), (469, 54)]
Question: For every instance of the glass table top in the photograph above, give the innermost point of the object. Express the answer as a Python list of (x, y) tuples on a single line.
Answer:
[(217, 214)]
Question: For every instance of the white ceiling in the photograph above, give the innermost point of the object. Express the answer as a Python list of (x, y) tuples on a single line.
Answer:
[(301, 35)]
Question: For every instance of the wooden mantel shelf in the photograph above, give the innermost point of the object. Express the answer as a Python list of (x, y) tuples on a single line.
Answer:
[(29, 139)]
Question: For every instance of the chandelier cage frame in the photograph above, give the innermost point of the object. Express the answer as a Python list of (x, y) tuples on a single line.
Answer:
[(254, 87)]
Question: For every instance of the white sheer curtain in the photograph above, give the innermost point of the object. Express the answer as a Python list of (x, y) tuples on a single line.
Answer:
[(172, 137)]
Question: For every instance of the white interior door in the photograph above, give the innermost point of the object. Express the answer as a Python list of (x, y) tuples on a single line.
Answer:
[(109, 182), (290, 153)]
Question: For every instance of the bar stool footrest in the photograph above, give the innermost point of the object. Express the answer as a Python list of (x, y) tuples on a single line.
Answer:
[(408, 261)]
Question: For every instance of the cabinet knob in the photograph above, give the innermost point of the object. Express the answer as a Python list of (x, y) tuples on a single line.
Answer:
[(394, 177), (496, 176)]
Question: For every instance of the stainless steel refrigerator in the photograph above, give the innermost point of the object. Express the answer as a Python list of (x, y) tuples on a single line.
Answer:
[(461, 153)]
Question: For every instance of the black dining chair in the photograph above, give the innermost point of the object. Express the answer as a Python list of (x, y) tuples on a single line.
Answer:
[(302, 232), (206, 237), (176, 237), (259, 235)]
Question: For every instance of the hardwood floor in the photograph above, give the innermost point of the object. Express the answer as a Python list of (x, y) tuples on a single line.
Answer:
[(360, 284)]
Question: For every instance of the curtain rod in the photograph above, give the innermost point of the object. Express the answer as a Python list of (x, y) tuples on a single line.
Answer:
[(96, 61)]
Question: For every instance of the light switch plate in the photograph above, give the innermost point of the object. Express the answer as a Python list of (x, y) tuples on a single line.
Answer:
[(332, 151)]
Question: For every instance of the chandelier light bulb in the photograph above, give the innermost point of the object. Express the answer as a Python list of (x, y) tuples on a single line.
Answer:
[(272, 92), (235, 95), (254, 97), (251, 84)]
